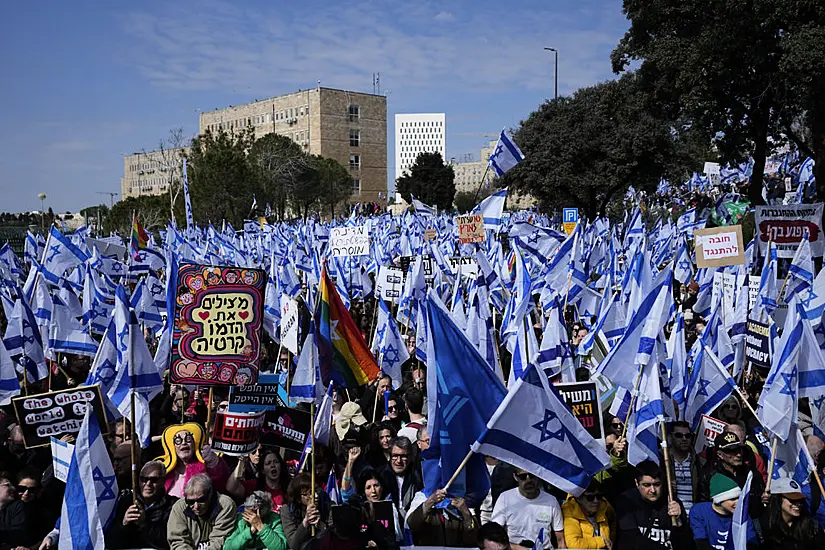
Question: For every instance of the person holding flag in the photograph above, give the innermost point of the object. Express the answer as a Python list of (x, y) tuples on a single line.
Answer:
[(712, 522)]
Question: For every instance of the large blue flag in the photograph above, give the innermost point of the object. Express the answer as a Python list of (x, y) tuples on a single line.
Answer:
[(534, 430), (462, 394)]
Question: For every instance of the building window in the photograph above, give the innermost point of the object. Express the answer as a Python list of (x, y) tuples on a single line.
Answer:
[(354, 138), (307, 109), (356, 186), (354, 161), (354, 111)]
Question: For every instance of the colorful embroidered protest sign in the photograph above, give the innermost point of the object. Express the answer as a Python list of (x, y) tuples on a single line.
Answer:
[(217, 333)]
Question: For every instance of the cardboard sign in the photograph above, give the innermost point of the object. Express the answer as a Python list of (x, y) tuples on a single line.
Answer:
[(349, 241), (713, 172), (709, 428), (583, 400), (786, 226), (466, 265), (217, 332), (257, 397), (719, 246), (430, 234), (286, 428), (757, 343), (426, 264), (61, 458), (390, 283), (54, 414), (471, 228), (726, 284), (236, 434), (289, 323)]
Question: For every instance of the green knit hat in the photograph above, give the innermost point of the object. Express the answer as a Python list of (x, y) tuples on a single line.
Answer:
[(723, 488)]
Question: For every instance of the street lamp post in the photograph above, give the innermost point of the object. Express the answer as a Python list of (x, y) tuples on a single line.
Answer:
[(42, 197), (555, 51)]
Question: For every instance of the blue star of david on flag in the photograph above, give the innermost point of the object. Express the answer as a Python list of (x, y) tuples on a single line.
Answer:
[(544, 427)]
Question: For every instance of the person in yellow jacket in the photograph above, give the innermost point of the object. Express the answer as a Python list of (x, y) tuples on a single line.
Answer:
[(589, 520)]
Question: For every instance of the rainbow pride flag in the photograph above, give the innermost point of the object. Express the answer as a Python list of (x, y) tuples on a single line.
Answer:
[(139, 239), (345, 357)]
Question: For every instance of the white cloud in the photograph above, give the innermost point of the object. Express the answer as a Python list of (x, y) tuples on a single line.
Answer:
[(444, 16), (215, 46)]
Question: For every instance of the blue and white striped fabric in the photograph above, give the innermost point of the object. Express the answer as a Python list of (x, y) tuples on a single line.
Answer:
[(67, 334), (792, 458), (801, 271), (97, 306), (388, 345), (306, 384), (135, 372), (23, 338), (41, 302), (768, 293), (741, 517), (421, 208), (677, 364), (190, 220), (648, 411), (146, 308), (91, 491), (683, 268), (505, 156), (710, 384), (492, 208), (554, 356), (332, 488), (321, 428), (534, 430), (60, 254), (9, 385)]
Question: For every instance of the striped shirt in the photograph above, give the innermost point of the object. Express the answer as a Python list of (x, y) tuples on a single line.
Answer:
[(684, 483)]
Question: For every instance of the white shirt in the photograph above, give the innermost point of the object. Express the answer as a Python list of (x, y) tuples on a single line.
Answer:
[(524, 518), (411, 433)]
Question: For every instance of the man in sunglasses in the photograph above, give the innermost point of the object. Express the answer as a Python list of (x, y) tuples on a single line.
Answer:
[(526, 510), (203, 519), (684, 466), (142, 525), (730, 460)]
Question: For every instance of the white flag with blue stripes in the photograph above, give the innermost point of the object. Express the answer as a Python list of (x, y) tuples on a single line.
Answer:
[(9, 384), (505, 155), (534, 430), (492, 209), (91, 491)]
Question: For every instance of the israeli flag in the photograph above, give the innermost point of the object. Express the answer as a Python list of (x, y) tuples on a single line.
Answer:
[(306, 384), (505, 156), (9, 385), (492, 208), (190, 220), (534, 430), (710, 384), (421, 208), (388, 344), (61, 254), (322, 427), (801, 271), (67, 335), (91, 491), (741, 517)]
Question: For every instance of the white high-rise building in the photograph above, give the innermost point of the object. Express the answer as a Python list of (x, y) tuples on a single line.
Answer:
[(415, 134)]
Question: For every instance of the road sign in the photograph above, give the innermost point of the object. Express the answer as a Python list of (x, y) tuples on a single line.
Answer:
[(571, 215)]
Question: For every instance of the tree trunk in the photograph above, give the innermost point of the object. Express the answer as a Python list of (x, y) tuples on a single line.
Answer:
[(760, 150)]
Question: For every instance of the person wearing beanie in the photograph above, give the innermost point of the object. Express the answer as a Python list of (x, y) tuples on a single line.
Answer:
[(711, 522)]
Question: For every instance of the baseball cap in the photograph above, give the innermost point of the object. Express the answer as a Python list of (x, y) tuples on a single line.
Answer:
[(727, 441), (787, 487)]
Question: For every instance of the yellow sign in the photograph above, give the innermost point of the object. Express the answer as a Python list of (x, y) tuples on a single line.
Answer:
[(569, 227)]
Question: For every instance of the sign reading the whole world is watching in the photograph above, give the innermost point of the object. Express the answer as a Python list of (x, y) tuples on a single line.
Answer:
[(217, 333)]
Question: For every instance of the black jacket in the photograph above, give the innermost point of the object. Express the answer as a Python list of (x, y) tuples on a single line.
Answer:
[(748, 465), (646, 526), (13, 531), (148, 534), (412, 484)]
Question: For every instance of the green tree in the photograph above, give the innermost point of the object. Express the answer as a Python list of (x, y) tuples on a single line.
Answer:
[(465, 201), (430, 180), (334, 182), (280, 166), (583, 151), (715, 64), (152, 213), (222, 181)]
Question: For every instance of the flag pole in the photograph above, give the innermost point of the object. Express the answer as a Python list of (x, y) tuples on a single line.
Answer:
[(632, 401), (481, 184), (666, 453), (312, 456), (458, 470), (771, 465), (132, 446), (375, 405)]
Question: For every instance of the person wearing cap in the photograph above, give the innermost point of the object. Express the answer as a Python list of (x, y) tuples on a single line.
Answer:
[(786, 523), (711, 522), (401, 476), (729, 461)]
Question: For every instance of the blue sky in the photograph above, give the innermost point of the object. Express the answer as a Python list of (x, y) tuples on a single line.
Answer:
[(86, 82)]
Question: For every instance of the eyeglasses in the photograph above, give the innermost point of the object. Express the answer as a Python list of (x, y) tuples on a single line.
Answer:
[(400, 457), (25, 488), (679, 435), (393, 408), (154, 480), (795, 501), (200, 500), (592, 497), (179, 440), (524, 476), (616, 424)]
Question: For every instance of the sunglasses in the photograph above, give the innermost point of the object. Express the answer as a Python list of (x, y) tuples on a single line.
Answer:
[(154, 480), (26, 489), (524, 476), (593, 497), (796, 501), (393, 408), (678, 435), (201, 500)]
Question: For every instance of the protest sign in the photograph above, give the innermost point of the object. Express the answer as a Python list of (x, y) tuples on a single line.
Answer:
[(285, 428), (466, 265), (719, 246), (57, 413), (257, 397), (349, 241), (470, 228), (713, 172), (383, 513), (725, 283), (289, 323), (757, 343), (583, 400), (430, 234), (236, 434), (709, 428), (390, 283), (786, 225), (405, 262), (217, 331), (61, 458)]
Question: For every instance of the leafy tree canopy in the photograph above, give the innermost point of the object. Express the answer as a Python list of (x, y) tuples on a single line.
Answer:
[(430, 180)]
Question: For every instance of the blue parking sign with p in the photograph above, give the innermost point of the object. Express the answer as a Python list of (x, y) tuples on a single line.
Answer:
[(571, 215)]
